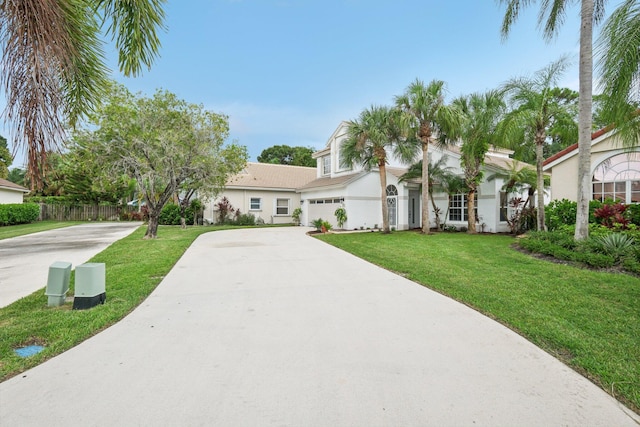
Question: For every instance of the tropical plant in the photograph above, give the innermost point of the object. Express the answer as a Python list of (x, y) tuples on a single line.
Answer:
[(341, 216), (317, 223), (54, 68), (612, 215), (296, 214), (616, 244), (482, 114), (377, 130), (225, 209), (434, 121), (537, 107), (551, 16)]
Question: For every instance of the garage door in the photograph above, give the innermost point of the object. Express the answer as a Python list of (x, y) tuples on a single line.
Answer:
[(324, 208)]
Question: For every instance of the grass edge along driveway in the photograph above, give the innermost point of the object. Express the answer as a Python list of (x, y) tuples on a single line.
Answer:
[(588, 319)]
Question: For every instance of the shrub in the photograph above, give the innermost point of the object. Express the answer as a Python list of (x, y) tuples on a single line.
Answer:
[(326, 225), (612, 215), (18, 213), (633, 213), (317, 223), (170, 215), (341, 216), (617, 245), (245, 219), (224, 210)]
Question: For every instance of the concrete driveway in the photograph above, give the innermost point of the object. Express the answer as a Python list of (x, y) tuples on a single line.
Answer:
[(25, 260), (269, 327)]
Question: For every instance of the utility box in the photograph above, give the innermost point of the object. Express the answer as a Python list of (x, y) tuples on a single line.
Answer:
[(90, 285), (58, 283)]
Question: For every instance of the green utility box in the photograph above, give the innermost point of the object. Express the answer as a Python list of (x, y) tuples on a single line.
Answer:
[(58, 283), (90, 285)]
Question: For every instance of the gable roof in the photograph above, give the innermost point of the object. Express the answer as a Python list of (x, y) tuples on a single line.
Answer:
[(497, 158), (326, 181), (572, 148), (270, 176), (8, 185)]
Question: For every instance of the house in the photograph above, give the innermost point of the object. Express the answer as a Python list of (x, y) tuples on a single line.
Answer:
[(358, 191), (615, 171), (265, 190), (10, 192)]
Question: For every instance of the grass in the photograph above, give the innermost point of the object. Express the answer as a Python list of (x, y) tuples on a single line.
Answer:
[(7, 232), (588, 319), (134, 267)]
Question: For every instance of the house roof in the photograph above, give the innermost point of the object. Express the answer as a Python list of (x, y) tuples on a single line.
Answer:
[(498, 158), (8, 185), (266, 175), (330, 182), (595, 135)]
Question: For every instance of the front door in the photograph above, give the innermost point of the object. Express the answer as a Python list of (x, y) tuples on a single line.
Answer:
[(414, 209)]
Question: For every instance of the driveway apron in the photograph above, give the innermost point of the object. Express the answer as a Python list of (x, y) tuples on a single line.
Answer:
[(25, 260), (270, 327)]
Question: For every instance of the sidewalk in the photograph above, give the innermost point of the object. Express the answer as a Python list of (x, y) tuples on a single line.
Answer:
[(270, 327)]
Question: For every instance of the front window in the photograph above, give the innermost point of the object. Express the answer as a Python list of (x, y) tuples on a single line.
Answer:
[(326, 165), (503, 206), (458, 207), (256, 204), (392, 205), (282, 206), (618, 178)]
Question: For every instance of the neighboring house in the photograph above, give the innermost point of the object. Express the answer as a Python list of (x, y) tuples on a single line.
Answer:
[(615, 171), (265, 190), (358, 191), (10, 192)]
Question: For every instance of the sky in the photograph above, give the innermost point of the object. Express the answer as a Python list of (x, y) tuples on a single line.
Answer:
[(289, 71)]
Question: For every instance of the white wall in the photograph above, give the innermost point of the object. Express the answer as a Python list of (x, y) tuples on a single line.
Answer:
[(10, 197), (241, 199)]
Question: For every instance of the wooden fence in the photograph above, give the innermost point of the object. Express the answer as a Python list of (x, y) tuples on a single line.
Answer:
[(82, 212)]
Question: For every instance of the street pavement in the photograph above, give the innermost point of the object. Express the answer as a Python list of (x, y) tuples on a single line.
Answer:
[(270, 327), (25, 260)]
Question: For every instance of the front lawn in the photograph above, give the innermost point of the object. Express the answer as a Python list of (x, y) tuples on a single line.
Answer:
[(588, 319)]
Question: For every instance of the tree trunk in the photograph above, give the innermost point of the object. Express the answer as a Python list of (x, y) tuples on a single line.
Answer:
[(435, 211), (471, 215), (541, 226), (152, 227), (424, 204), (183, 222), (383, 198), (584, 119)]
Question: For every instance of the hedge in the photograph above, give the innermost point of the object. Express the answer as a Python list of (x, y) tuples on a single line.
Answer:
[(18, 213)]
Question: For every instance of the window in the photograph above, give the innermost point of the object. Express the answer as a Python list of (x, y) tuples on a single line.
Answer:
[(458, 207), (256, 204), (282, 206), (326, 165), (618, 178), (503, 206), (392, 205)]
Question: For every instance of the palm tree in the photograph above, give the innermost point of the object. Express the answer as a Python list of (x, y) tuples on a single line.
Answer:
[(53, 65), (377, 130), (452, 185), (551, 16), (438, 171), (536, 110), (482, 114), (434, 121)]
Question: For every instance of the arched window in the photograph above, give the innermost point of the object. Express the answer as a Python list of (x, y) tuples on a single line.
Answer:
[(618, 178), (392, 205)]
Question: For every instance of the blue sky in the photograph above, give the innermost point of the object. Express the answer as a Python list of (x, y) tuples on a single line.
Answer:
[(288, 71)]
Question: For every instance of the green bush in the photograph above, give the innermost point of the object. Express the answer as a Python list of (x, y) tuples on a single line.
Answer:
[(563, 212), (18, 213), (170, 214), (245, 219)]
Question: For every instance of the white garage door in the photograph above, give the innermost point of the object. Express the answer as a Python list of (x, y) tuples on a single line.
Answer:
[(324, 208)]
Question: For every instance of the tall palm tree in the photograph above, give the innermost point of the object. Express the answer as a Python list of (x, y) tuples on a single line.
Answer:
[(377, 130), (438, 172), (536, 110), (482, 114), (434, 120), (53, 65), (551, 16)]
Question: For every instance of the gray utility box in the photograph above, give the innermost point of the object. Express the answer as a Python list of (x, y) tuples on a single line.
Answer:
[(58, 283), (90, 285)]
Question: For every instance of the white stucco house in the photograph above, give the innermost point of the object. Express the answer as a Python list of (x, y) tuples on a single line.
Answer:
[(10, 192), (265, 190), (358, 191), (615, 170)]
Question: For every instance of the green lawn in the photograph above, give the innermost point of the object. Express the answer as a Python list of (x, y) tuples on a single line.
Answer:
[(134, 267), (9, 231), (588, 319)]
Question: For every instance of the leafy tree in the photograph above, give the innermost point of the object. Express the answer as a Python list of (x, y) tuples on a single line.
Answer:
[(162, 142), (538, 107), (286, 155), (438, 172), (551, 16), (377, 130), (54, 67), (433, 121), (5, 158), (482, 114), (16, 175)]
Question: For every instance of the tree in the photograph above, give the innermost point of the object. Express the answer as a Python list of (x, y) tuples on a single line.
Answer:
[(53, 64), (162, 142), (286, 155), (16, 175), (538, 107), (452, 185), (551, 16), (482, 114), (5, 158), (434, 121), (377, 130), (438, 172)]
